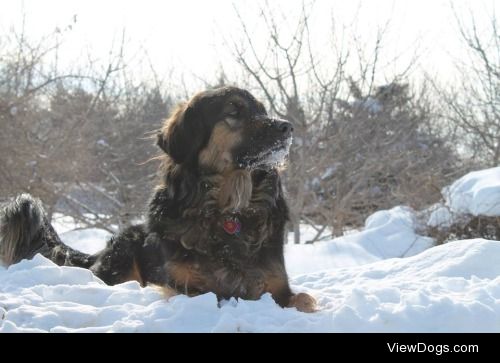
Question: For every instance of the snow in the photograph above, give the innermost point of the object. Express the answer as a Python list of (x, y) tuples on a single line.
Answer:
[(370, 104), (440, 216), (384, 278), (330, 171), (387, 234), (90, 240), (477, 193), (451, 288), (278, 156)]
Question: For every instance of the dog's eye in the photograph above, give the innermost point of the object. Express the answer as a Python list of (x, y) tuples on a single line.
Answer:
[(233, 110)]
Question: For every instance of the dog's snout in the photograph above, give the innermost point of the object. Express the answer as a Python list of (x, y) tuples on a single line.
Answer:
[(284, 126)]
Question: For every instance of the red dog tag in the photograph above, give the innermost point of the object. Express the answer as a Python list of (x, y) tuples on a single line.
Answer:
[(232, 225)]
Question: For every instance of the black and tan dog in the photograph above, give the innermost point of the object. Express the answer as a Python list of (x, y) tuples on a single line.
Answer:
[(216, 222)]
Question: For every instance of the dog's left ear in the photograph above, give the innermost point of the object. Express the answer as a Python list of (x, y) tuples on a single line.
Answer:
[(183, 134)]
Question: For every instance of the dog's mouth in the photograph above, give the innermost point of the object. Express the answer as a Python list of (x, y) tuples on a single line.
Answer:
[(273, 156)]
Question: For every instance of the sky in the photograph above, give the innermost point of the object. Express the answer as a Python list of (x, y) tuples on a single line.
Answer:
[(188, 36)]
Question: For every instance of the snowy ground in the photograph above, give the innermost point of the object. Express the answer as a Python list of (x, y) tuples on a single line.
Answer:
[(384, 278), (477, 193)]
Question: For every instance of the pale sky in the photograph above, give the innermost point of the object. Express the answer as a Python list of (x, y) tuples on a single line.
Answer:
[(185, 35)]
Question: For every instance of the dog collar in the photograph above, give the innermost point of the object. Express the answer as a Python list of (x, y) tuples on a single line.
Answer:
[(232, 225)]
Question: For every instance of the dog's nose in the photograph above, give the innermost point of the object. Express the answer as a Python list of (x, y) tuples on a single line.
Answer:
[(285, 127)]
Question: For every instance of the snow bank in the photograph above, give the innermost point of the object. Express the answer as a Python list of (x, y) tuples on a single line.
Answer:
[(453, 287), (439, 216), (387, 234), (477, 193)]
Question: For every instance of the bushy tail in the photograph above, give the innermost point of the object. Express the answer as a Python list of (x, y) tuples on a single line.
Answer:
[(26, 231), (21, 223)]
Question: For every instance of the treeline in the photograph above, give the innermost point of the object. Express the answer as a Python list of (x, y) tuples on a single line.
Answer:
[(80, 140)]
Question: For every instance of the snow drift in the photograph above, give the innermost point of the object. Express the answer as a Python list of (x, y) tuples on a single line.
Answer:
[(450, 288), (474, 194), (477, 193)]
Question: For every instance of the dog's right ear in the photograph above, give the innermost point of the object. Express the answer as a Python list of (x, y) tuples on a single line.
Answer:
[(163, 135), (183, 133)]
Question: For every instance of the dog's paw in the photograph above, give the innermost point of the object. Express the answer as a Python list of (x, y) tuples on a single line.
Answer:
[(165, 290), (303, 302)]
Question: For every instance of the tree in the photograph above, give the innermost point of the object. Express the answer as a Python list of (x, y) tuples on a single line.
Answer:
[(76, 140), (357, 147), (283, 74), (473, 103), (381, 151)]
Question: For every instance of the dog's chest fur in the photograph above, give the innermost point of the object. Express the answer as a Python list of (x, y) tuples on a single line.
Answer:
[(211, 249)]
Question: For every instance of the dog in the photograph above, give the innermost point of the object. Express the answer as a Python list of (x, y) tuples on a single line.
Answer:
[(215, 222)]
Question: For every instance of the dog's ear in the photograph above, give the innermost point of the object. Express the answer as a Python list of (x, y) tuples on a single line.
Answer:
[(183, 134)]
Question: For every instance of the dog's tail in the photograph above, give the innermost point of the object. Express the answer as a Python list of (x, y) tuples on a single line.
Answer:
[(25, 231), (21, 222)]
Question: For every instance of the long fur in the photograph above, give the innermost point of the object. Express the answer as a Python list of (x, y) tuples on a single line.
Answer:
[(214, 174), (236, 191), (25, 231), (20, 222)]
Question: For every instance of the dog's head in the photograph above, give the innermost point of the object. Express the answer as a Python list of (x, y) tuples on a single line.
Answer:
[(225, 129)]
